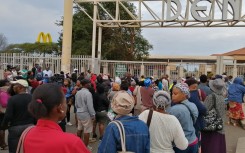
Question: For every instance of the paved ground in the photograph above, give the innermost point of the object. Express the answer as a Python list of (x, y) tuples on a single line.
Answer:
[(232, 135)]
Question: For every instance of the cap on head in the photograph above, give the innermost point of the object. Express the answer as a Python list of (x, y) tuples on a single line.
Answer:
[(22, 82)]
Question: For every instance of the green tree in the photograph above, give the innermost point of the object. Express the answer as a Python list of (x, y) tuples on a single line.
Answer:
[(117, 43), (33, 48)]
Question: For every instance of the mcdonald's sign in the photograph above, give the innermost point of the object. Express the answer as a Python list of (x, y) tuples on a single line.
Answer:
[(44, 38)]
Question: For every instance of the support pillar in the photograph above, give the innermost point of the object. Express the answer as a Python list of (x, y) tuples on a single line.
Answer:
[(219, 65), (67, 36), (94, 37)]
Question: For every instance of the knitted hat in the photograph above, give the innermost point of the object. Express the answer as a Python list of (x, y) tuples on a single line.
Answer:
[(122, 103), (184, 88)]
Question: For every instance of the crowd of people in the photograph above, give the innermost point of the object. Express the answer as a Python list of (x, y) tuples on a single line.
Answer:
[(141, 115)]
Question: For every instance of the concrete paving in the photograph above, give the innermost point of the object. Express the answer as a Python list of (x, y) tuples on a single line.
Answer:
[(240, 145)]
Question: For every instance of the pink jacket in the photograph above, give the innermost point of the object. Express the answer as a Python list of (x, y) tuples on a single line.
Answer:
[(4, 97)]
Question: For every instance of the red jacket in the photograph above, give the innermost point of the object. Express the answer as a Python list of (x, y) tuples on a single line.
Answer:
[(47, 137)]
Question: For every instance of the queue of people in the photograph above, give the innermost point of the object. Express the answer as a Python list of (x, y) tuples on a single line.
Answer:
[(144, 115)]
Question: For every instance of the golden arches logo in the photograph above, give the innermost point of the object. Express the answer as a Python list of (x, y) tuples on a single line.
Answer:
[(45, 38)]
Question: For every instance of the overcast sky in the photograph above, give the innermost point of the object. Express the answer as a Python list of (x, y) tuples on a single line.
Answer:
[(22, 20)]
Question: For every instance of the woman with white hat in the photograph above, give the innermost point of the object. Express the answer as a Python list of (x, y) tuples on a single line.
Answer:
[(162, 139), (136, 132)]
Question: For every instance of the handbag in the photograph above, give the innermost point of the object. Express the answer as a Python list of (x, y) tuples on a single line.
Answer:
[(20, 147), (122, 136), (213, 120)]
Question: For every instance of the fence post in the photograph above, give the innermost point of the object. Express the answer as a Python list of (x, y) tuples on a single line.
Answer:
[(234, 69), (105, 68), (167, 71), (14, 59), (181, 71), (142, 69), (21, 61)]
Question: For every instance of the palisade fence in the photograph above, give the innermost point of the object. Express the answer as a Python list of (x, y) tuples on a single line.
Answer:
[(114, 68), (229, 69)]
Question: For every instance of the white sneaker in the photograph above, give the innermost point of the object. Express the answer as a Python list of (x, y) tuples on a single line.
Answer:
[(90, 148), (69, 123)]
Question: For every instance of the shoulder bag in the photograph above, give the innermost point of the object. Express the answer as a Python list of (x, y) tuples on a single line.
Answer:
[(122, 136), (212, 119), (20, 147)]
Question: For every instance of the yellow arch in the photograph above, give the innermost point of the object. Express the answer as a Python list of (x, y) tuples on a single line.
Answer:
[(45, 38)]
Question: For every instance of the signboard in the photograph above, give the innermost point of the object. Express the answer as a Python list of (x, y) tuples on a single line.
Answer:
[(121, 69)]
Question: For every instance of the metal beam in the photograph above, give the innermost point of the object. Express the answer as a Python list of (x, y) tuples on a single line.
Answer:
[(184, 19)]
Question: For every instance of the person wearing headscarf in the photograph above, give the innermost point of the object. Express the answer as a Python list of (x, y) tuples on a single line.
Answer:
[(115, 88), (147, 95), (214, 141), (236, 93), (187, 113), (136, 131), (162, 139)]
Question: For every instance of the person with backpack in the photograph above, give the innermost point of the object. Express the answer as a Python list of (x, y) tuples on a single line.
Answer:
[(137, 138)]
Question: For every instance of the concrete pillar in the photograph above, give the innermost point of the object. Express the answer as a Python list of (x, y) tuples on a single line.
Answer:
[(142, 70), (220, 65), (67, 36), (235, 69), (181, 72)]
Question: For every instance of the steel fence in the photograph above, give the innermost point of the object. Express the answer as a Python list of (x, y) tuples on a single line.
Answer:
[(114, 68)]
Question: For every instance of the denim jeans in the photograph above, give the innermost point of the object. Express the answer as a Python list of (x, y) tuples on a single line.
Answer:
[(190, 149), (14, 136)]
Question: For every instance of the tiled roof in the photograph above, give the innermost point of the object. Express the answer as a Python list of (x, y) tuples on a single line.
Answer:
[(239, 52)]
